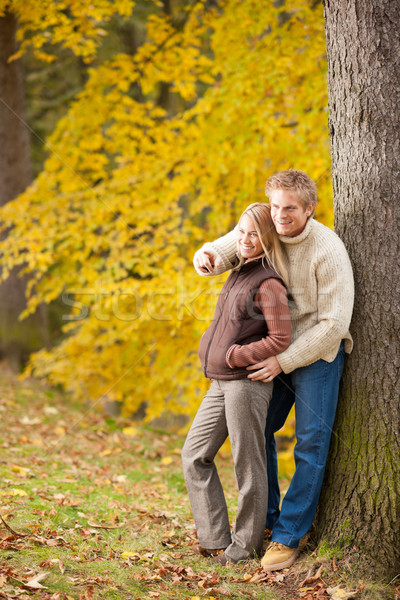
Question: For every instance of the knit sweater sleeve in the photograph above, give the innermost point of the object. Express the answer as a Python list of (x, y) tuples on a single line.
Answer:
[(224, 249), (335, 306), (272, 301)]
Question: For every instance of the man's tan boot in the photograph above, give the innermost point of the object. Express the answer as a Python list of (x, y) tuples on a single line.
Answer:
[(278, 556)]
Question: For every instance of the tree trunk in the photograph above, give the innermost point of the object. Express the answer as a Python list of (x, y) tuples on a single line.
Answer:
[(360, 500), (15, 161), (16, 339)]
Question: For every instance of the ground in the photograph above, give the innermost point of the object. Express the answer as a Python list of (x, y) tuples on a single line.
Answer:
[(95, 508)]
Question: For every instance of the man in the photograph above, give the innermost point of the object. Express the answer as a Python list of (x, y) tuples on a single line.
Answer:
[(308, 373)]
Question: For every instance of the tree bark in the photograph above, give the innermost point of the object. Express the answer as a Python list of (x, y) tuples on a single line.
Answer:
[(15, 161), (360, 500), (16, 339)]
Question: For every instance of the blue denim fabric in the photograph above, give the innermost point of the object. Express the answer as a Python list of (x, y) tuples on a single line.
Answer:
[(314, 391)]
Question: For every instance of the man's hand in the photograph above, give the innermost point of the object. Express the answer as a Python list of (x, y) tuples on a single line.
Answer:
[(266, 370), (205, 261)]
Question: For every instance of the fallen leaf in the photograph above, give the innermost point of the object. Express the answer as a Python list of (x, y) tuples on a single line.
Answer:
[(130, 431), (61, 566), (89, 593), (27, 421), (105, 452), (121, 478), (338, 593), (279, 577), (52, 543), (312, 579), (19, 470), (259, 577), (35, 584), (130, 555), (50, 410), (166, 460), (37, 442), (13, 492)]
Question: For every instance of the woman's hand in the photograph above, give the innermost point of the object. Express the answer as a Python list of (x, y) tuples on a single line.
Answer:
[(204, 261), (266, 370)]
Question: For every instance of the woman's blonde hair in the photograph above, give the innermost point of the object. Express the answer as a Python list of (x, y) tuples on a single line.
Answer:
[(260, 213)]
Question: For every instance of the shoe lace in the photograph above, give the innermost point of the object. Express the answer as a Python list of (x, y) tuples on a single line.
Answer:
[(276, 546)]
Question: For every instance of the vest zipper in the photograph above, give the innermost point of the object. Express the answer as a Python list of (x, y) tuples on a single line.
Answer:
[(215, 326)]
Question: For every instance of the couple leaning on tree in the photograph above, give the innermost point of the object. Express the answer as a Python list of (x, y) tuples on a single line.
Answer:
[(263, 354)]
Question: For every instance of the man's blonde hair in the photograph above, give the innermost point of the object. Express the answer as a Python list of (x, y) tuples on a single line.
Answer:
[(294, 181)]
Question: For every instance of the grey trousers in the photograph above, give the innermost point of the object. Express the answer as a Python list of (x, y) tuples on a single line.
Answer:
[(238, 409)]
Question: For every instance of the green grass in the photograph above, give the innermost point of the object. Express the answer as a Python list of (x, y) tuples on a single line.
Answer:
[(103, 511)]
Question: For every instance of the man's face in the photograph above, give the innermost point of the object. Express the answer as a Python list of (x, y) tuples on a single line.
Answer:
[(288, 213)]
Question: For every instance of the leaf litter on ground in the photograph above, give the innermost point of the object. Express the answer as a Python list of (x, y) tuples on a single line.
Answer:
[(93, 508)]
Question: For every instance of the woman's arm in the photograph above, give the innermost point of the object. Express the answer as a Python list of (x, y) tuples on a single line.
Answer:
[(272, 301), (216, 257)]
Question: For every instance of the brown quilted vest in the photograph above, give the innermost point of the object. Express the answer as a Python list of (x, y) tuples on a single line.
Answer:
[(237, 320)]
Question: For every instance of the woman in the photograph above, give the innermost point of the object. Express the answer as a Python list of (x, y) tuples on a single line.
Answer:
[(251, 323)]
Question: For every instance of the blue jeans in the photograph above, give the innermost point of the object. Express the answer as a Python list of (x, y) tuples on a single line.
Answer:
[(314, 391)]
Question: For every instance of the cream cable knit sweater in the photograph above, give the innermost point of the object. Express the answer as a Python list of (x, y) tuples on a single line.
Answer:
[(321, 292)]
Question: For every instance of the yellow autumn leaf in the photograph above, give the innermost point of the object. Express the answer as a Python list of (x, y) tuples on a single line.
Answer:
[(23, 471), (166, 460), (37, 442), (13, 492), (130, 431), (105, 452)]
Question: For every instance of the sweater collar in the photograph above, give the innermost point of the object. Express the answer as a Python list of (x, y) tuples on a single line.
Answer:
[(301, 237)]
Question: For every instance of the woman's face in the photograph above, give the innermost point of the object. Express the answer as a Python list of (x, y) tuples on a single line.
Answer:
[(248, 240)]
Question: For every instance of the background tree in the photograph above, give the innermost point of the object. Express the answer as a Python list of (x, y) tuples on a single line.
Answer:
[(15, 175), (360, 503), (23, 26), (131, 188)]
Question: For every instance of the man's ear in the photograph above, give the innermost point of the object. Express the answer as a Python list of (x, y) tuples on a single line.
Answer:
[(310, 208)]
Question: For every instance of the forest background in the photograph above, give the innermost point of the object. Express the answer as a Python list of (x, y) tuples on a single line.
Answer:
[(152, 126)]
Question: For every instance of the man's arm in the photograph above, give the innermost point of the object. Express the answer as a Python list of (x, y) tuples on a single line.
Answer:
[(335, 306), (216, 257)]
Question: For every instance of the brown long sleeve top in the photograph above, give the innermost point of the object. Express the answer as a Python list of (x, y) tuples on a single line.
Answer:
[(272, 300)]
